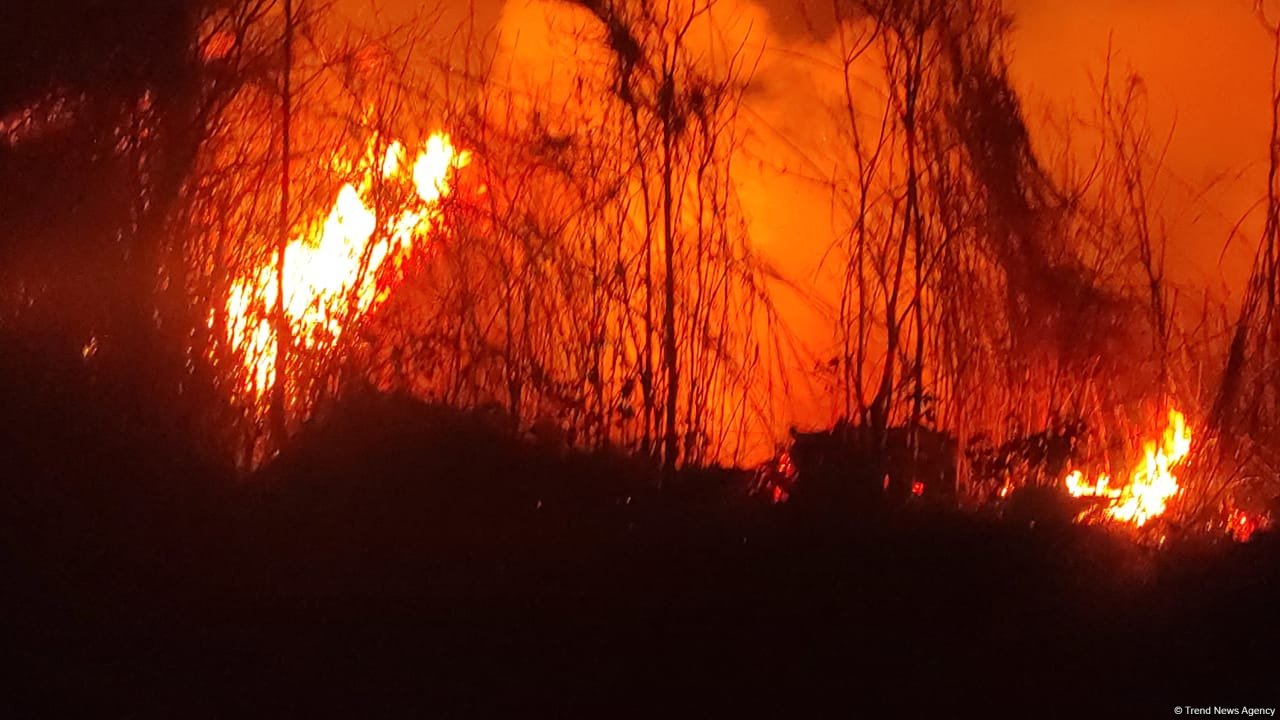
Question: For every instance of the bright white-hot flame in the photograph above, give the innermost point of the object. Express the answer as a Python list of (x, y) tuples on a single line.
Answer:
[(393, 159), (331, 275), (431, 169), (1152, 484)]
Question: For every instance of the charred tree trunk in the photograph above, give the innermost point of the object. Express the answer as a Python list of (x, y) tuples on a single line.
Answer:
[(277, 411), (671, 444)]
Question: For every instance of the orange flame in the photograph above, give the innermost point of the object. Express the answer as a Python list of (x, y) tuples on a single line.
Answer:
[(331, 274), (1242, 525), (1152, 484)]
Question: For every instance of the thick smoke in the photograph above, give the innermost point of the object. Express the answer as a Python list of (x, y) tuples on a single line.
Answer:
[(1204, 65)]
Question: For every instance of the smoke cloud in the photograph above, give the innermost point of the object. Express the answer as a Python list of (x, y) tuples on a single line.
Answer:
[(1205, 66)]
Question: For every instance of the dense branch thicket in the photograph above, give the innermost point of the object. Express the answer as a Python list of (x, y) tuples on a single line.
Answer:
[(982, 293), (602, 287), (593, 279)]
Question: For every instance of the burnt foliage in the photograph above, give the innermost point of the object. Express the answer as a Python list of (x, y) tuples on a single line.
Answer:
[(852, 467), (1041, 457)]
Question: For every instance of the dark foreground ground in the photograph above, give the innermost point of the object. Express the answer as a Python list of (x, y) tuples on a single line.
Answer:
[(406, 561)]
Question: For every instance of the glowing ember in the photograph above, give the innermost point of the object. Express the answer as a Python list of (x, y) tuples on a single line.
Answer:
[(777, 478), (331, 274), (1152, 484), (1241, 525)]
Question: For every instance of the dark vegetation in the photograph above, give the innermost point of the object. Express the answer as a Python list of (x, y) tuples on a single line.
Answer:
[(850, 468), (406, 555)]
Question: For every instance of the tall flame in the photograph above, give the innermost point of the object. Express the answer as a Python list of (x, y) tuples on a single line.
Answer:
[(331, 274), (1152, 483)]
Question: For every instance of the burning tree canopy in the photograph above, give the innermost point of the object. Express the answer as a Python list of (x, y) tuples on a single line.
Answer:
[(343, 268)]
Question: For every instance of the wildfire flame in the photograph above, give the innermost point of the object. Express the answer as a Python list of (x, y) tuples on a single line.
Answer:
[(331, 273), (1242, 525), (1152, 483)]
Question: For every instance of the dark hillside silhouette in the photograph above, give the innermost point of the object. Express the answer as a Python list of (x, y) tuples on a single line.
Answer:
[(406, 555)]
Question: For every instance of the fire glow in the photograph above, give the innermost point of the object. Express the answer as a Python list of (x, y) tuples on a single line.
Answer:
[(332, 273), (1152, 484)]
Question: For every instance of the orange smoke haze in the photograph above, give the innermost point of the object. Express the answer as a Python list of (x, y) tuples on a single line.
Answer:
[(1205, 65)]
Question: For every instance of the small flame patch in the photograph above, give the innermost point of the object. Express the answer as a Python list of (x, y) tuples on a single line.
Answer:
[(1152, 484)]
